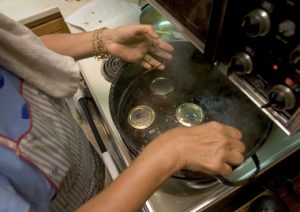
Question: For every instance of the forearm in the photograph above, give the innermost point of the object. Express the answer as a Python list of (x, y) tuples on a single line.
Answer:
[(131, 43), (135, 185), (76, 45), (211, 148)]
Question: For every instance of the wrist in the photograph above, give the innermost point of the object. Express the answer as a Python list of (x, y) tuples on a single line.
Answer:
[(107, 39), (99, 41), (176, 145), (166, 151)]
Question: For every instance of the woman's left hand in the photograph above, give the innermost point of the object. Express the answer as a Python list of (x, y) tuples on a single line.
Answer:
[(138, 44)]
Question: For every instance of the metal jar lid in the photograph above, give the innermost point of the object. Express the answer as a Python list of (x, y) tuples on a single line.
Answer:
[(141, 117), (189, 114), (162, 86)]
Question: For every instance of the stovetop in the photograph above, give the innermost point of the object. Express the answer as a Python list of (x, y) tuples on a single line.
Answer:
[(111, 67), (277, 147)]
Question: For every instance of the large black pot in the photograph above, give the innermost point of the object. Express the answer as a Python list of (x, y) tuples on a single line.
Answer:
[(194, 82)]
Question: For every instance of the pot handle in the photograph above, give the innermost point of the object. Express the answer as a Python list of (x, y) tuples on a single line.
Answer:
[(225, 181)]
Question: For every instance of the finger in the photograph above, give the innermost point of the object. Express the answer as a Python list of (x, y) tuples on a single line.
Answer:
[(145, 65), (152, 61), (229, 130), (235, 145), (238, 146), (151, 32), (233, 132), (235, 158), (145, 29), (162, 45), (160, 53), (226, 170)]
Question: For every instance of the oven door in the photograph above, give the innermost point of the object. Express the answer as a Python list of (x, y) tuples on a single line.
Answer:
[(199, 20)]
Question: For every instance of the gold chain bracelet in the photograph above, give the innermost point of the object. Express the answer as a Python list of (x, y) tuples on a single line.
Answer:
[(98, 46)]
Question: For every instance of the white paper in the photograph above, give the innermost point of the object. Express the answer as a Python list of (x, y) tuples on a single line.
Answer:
[(104, 13)]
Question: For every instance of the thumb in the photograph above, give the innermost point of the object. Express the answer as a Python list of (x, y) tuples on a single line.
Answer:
[(148, 29)]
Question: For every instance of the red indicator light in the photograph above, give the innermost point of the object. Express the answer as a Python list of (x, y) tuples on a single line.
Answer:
[(275, 67), (289, 81)]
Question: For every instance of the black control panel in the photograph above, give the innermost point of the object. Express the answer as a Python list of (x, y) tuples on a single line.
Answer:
[(260, 42)]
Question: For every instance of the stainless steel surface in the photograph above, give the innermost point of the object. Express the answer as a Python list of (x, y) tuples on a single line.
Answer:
[(260, 101), (286, 94), (244, 59), (263, 20)]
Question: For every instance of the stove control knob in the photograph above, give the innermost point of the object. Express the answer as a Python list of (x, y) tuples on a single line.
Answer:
[(281, 98), (257, 23), (287, 28), (295, 58), (240, 64)]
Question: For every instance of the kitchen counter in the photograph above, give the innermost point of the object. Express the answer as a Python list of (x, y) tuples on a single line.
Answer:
[(26, 11)]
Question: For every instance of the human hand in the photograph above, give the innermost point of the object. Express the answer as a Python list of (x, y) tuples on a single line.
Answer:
[(212, 148), (137, 44)]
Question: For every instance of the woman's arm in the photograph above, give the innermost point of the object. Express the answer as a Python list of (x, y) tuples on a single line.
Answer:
[(132, 43), (210, 148), (76, 45)]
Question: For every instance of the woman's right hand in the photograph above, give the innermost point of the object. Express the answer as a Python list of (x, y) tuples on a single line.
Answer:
[(212, 148)]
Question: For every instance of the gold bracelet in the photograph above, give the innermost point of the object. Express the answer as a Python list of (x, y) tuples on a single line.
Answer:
[(98, 46)]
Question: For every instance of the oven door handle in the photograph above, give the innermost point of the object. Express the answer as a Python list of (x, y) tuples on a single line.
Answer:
[(105, 155), (225, 181)]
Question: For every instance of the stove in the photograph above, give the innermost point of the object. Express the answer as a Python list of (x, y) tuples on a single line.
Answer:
[(98, 76), (277, 147), (257, 46)]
